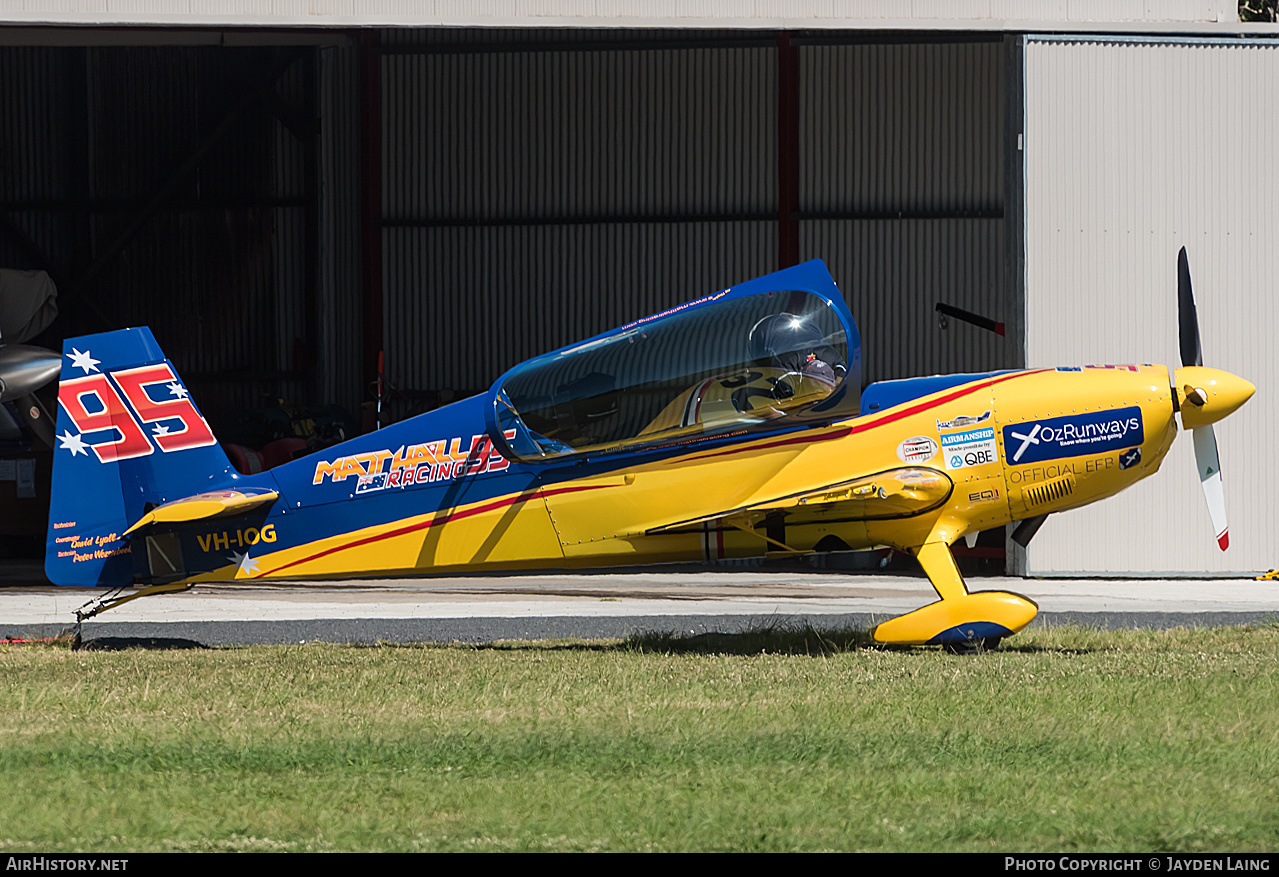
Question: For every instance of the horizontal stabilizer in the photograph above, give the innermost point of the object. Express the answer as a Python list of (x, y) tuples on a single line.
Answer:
[(202, 506)]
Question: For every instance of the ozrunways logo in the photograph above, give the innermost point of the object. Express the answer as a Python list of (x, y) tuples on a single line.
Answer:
[(1076, 435)]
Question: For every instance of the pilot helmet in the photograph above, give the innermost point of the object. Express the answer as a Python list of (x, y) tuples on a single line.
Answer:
[(792, 342)]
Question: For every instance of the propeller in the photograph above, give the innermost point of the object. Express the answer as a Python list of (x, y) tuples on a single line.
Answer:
[(1204, 396), (1187, 316), (23, 370)]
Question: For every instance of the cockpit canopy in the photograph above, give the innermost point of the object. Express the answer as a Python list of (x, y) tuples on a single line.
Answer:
[(776, 352)]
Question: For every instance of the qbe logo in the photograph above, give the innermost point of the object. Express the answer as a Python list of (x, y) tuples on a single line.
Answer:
[(975, 447), (1075, 435)]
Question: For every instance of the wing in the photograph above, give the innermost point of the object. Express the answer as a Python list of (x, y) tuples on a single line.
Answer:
[(896, 493)]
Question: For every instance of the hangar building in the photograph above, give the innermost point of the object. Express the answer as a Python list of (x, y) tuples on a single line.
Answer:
[(287, 192)]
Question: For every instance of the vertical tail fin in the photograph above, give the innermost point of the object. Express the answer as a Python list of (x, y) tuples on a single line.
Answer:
[(129, 437)]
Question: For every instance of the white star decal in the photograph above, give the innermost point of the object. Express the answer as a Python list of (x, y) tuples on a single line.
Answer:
[(74, 443), (83, 360), (178, 390), (248, 566), (161, 429)]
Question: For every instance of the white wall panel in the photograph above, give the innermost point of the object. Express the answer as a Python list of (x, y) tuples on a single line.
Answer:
[(620, 13), (1134, 149)]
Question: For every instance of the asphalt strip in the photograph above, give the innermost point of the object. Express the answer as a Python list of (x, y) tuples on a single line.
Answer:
[(600, 606)]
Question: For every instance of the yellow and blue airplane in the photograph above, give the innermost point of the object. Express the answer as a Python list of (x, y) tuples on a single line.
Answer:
[(730, 426)]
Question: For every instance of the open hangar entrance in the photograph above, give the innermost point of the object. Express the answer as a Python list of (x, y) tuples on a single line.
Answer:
[(174, 179), (287, 208)]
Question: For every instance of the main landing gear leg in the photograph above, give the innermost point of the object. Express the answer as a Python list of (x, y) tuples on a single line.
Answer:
[(959, 620)]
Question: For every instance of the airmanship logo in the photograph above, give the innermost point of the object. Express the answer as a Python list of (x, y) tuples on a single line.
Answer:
[(973, 447)]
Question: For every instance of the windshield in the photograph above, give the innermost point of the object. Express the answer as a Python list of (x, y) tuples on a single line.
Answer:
[(713, 367)]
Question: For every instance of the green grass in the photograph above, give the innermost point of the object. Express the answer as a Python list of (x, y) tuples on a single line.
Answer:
[(1062, 740)]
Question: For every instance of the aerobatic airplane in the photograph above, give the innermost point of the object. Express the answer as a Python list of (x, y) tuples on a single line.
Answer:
[(729, 426)]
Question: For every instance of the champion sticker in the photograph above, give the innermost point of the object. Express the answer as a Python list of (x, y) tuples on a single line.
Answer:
[(917, 449)]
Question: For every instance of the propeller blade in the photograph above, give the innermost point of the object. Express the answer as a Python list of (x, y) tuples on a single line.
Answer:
[(1187, 318), (1210, 480)]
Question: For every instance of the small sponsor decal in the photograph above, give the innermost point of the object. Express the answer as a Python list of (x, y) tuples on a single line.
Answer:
[(975, 447), (962, 421), (917, 449), (365, 483), (1075, 435), (1128, 459), (980, 496), (1078, 368)]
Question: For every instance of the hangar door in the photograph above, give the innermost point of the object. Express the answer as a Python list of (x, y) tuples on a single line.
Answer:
[(543, 186), (1134, 149)]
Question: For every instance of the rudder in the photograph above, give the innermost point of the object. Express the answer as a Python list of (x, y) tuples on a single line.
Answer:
[(129, 437)]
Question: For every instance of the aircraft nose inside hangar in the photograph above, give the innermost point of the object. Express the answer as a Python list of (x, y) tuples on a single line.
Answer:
[(287, 207)]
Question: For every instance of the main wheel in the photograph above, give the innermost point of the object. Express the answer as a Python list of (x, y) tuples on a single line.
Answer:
[(974, 646)]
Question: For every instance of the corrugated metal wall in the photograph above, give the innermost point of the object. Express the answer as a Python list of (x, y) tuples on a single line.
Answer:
[(38, 91), (536, 197), (338, 293), (1134, 149), (902, 187), (538, 194), (893, 272)]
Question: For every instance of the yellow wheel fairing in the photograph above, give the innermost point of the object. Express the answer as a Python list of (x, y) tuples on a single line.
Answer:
[(958, 616), (968, 618)]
